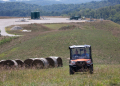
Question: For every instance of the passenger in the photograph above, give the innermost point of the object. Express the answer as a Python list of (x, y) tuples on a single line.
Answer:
[(76, 55), (85, 54)]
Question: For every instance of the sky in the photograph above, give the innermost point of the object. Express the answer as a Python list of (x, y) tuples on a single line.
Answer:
[(55, 0), (16, 0), (4, 0)]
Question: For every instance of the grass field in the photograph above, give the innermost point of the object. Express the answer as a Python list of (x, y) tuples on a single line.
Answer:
[(47, 40), (104, 75)]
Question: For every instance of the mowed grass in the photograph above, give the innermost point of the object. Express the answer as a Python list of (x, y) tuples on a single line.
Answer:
[(55, 26), (105, 52), (103, 44)]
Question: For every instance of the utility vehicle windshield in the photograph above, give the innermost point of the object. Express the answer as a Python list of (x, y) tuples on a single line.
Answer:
[(80, 53)]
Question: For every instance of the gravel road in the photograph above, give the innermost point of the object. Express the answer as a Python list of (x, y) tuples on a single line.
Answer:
[(8, 22)]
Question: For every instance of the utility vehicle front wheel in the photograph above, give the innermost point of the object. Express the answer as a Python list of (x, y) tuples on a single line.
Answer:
[(71, 71), (91, 69)]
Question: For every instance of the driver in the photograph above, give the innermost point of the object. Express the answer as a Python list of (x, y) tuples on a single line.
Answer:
[(76, 55), (85, 54)]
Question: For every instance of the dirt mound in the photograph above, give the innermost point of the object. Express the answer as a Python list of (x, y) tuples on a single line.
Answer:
[(16, 28), (68, 27)]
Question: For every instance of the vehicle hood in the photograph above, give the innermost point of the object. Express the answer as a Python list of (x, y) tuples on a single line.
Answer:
[(80, 60)]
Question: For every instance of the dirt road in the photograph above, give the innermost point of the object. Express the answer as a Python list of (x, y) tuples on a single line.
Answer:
[(7, 22)]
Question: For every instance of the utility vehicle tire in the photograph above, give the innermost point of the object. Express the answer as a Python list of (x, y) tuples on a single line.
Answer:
[(71, 71), (91, 69)]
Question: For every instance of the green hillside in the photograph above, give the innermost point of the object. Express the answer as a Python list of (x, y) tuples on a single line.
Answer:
[(103, 36), (107, 13)]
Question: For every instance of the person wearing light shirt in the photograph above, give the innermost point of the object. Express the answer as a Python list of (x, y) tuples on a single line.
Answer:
[(85, 54)]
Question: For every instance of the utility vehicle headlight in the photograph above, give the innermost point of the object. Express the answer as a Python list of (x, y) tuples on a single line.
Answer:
[(88, 62), (73, 62)]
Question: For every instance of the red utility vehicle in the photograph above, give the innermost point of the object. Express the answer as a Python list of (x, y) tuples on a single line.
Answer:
[(80, 59)]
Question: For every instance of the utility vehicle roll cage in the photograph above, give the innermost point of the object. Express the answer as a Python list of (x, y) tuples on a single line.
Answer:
[(80, 48)]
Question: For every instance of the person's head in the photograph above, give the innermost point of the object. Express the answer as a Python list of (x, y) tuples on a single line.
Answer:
[(84, 51), (76, 52)]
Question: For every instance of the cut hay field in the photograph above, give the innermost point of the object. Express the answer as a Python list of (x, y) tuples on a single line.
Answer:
[(104, 75), (53, 40)]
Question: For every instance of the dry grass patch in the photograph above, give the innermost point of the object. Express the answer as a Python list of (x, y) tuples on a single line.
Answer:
[(104, 75), (69, 27)]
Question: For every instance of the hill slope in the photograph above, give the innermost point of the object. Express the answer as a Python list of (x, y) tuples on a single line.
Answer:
[(45, 41), (102, 36)]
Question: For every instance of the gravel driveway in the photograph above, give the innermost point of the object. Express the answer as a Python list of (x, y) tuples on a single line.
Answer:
[(8, 22)]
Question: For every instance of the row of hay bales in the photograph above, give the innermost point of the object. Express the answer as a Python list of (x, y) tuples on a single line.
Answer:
[(48, 62)]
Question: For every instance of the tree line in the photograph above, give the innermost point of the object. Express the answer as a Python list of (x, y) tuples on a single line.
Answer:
[(108, 13), (106, 9)]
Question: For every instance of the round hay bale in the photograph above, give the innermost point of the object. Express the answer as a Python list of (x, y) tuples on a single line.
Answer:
[(10, 63), (60, 63), (15, 63), (52, 61), (38, 63), (28, 62), (20, 63), (46, 64), (2, 63), (58, 60)]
